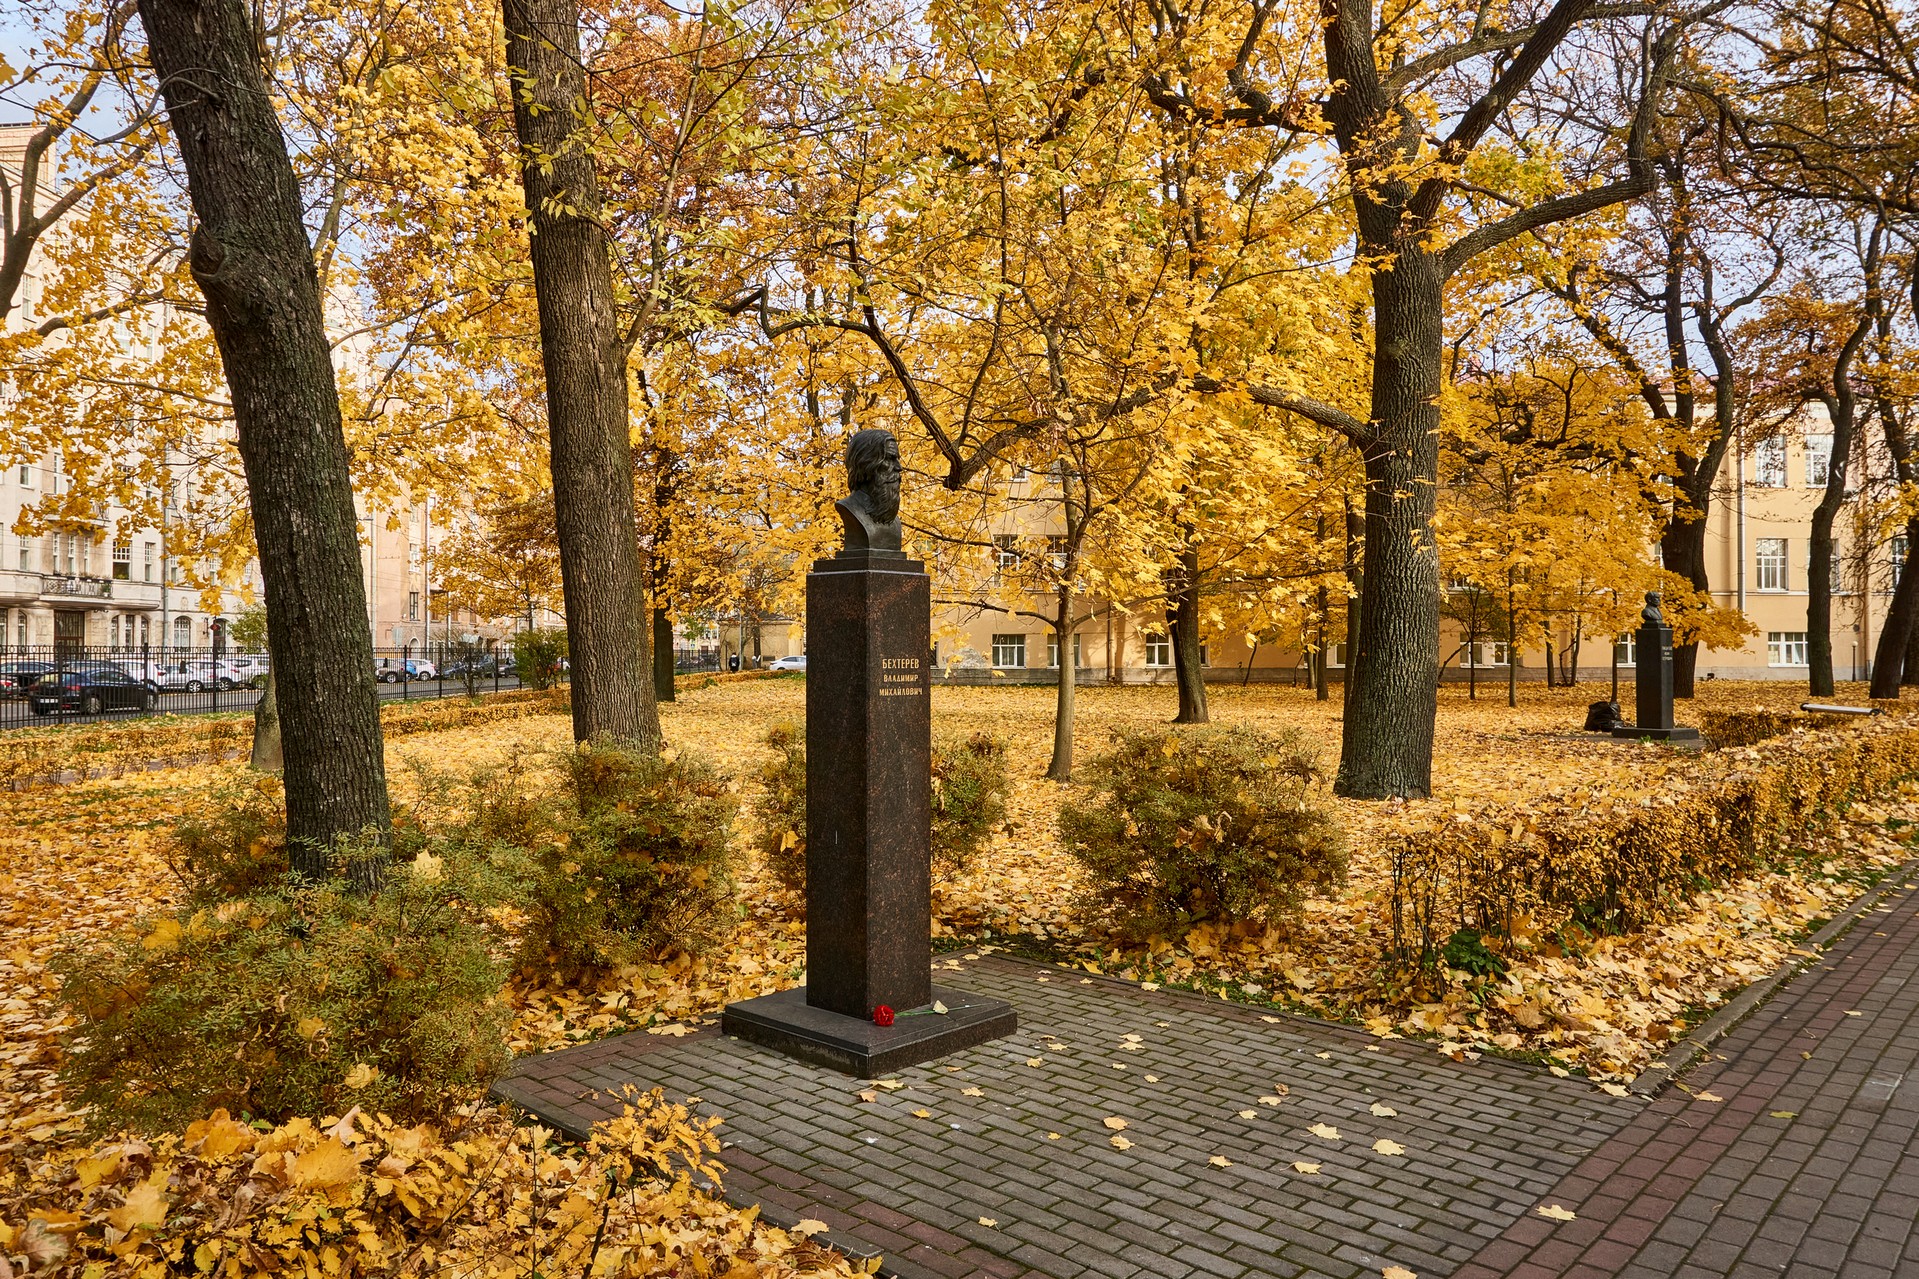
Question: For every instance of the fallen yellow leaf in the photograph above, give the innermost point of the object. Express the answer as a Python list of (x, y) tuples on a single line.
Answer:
[(1554, 1212)]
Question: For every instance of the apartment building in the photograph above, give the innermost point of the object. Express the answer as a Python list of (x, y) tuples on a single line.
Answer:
[(1758, 549)]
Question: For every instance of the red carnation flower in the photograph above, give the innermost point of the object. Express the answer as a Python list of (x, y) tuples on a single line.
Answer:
[(882, 1016)]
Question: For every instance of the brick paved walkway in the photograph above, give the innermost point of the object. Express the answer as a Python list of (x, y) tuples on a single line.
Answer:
[(1208, 1185), (1808, 1167)]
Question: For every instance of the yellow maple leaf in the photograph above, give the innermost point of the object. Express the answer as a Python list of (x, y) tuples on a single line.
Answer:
[(1120, 1143), (145, 1208), (1114, 1122), (327, 1166), (1553, 1212), (361, 1075), (1325, 1132), (1306, 1166)]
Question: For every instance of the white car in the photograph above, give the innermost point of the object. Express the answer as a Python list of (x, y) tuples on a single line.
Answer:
[(797, 663)]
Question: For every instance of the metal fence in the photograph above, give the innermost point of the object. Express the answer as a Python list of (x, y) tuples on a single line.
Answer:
[(59, 683)]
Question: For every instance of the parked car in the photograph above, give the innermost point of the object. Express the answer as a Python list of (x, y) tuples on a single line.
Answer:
[(392, 670), (485, 667), (17, 677), (250, 670), (221, 674), (90, 691), (795, 663)]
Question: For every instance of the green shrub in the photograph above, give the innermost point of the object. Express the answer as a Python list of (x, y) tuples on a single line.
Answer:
[(969, 789), (641, 862), (1197, 826), (969, 798), (303, 1000), (537, 656), (779, 814), (236, 846)]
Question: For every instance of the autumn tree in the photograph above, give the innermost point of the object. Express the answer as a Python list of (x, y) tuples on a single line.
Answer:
[(1426, 200), (252, 259)]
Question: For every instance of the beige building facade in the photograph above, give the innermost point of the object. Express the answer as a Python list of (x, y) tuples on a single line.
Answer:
[(1758, 546)]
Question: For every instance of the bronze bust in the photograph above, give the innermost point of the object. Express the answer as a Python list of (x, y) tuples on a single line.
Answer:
[(871, 510), (1650, 614)]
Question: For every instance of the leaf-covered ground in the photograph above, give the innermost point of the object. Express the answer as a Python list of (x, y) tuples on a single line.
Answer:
[(81, 860)]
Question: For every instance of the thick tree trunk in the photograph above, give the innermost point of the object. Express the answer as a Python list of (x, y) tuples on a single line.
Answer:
[(1819, 601), (251, 258), (586, 392), (1386, 743), (1683, 549), (269, 755), (662, 655), (1182, 622), (1060, 769), (1356, 587), (1896, 634)]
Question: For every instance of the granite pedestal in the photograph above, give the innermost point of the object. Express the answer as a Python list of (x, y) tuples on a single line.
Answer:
[(868, 833), (1652, 682)]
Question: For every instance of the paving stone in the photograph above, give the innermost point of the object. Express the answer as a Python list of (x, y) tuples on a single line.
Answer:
[(1830, 1191), (1484, 1141)]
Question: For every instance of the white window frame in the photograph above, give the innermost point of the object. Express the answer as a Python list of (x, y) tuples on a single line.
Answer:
[(1009, 652), (1818, 460), (1625, 649), (1769, 463), (1005, 551), (1052, 650), (1780, 562), (1486, 654), (1159, 651), (1782, 647)]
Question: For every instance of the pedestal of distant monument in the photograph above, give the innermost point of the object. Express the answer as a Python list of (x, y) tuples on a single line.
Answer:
[(1652, 680), (869, 811)]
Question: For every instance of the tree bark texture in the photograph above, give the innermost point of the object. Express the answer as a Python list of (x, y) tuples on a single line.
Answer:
[(586, 392), (1182, 624), (1386, 739), (1060, 768), (269, 754), (1682, 548), (662, 655), (251, 258), (1840, 404), (1895, 634)]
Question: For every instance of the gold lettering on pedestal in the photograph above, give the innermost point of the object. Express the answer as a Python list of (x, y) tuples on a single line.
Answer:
[(901, 677)]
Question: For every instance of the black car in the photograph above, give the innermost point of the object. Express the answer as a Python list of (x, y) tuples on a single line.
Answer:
[(100, 687), (16, 677)]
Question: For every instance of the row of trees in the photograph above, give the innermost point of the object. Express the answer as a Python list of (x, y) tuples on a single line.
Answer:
[(1304, 321)]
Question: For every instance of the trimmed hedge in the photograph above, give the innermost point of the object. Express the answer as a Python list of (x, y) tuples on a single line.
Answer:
[(1616, 860)]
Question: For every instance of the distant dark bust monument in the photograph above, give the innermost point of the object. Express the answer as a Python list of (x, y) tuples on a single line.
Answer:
[(1652, 680), (871, 509), (869, 1005)]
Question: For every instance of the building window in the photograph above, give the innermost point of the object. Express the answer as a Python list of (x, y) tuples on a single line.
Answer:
[(1336, 656), (26, 552), (21, 614), (147, 566), (1818, 460), (1056, 553), (1009, 650), (182, 632), (113, 631), (1772, 563), (1486, 653), (412, 606), (1785, 648), (1005, 550), (1769, 463), (123, 561), (1898, 559), (1625, 650), (1159, 650), (1052, 651), (144, 632)]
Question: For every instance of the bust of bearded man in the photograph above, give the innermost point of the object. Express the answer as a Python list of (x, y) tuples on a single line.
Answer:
[(871, 511)]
